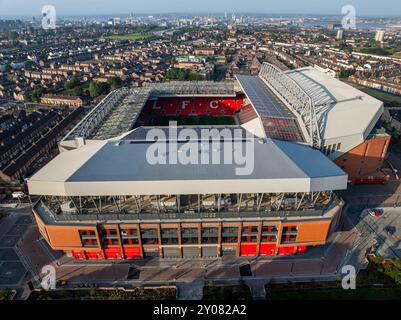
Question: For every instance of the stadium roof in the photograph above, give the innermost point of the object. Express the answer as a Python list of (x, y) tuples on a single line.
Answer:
[(341, 109), (209, 132), (328, 111), (262, 99), (188, 88), (105, 168)]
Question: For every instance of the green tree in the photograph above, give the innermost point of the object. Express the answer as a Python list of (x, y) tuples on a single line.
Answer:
[(37, 93), (72, 83), (345, 73), (77, 91), (183, 75), (114, 82), (96, 89)]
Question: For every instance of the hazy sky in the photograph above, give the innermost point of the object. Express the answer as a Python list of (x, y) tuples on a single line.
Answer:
[(86, 7)]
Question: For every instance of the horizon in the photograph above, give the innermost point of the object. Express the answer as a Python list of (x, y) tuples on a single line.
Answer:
[(205, 13), (364, 8)]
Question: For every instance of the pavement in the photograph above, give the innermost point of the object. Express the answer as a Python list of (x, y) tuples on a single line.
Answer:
[(382, 195), (13, 226), (190, 290), (257, 288), (388, 245)]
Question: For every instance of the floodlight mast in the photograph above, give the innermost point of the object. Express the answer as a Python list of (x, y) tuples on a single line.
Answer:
[(296, 99)]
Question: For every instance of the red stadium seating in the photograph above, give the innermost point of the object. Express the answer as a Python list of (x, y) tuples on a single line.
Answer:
[(193, 106)]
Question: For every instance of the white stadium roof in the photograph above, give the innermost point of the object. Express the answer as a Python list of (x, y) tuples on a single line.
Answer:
[(342, 110), (107, 168)]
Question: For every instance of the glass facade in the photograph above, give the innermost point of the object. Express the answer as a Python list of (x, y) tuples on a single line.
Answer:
[(169, 236), (149, 236), (210, 235), (189, 235)]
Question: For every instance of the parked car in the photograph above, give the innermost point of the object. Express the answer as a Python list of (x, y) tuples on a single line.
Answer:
[(390, 230), (375, 212)]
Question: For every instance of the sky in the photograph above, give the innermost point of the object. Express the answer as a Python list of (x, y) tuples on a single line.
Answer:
[(29, 8)]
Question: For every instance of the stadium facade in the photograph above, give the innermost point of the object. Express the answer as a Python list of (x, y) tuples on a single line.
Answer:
[(101, 197)]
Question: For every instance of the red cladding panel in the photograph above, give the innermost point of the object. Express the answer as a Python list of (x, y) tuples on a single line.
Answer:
[(301, 249), (78, 255), (248, 250), (267, 249), (132, 252), (94, 255), (113, 253), (286, 250)]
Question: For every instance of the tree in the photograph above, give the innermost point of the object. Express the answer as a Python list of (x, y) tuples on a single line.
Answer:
[(37, 93), (72, 83), (77, 91), (114, 82), (97, 88), (345, 73), (183, 75)]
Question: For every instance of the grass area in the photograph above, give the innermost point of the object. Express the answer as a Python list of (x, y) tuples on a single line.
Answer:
[(386, 269), (6, 294), (102, 294), (380, 281), (194, 120), (238, 292), (378, 51), (381, 95), (131, 37)]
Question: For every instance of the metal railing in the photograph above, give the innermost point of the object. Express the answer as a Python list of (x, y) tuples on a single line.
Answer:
[(43, 210)]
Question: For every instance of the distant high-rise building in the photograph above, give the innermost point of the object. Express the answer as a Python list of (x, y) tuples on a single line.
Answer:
[(225, 15), (340, 34), (379, 35)]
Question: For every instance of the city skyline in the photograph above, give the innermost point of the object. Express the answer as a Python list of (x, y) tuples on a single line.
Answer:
[(20, 8)]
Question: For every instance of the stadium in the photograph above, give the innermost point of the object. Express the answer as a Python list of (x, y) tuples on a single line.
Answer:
[(312, 134)]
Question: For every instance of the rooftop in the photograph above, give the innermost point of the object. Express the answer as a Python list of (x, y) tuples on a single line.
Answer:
[(263, 99), (123, 168), (199, 88), (341, 109)]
